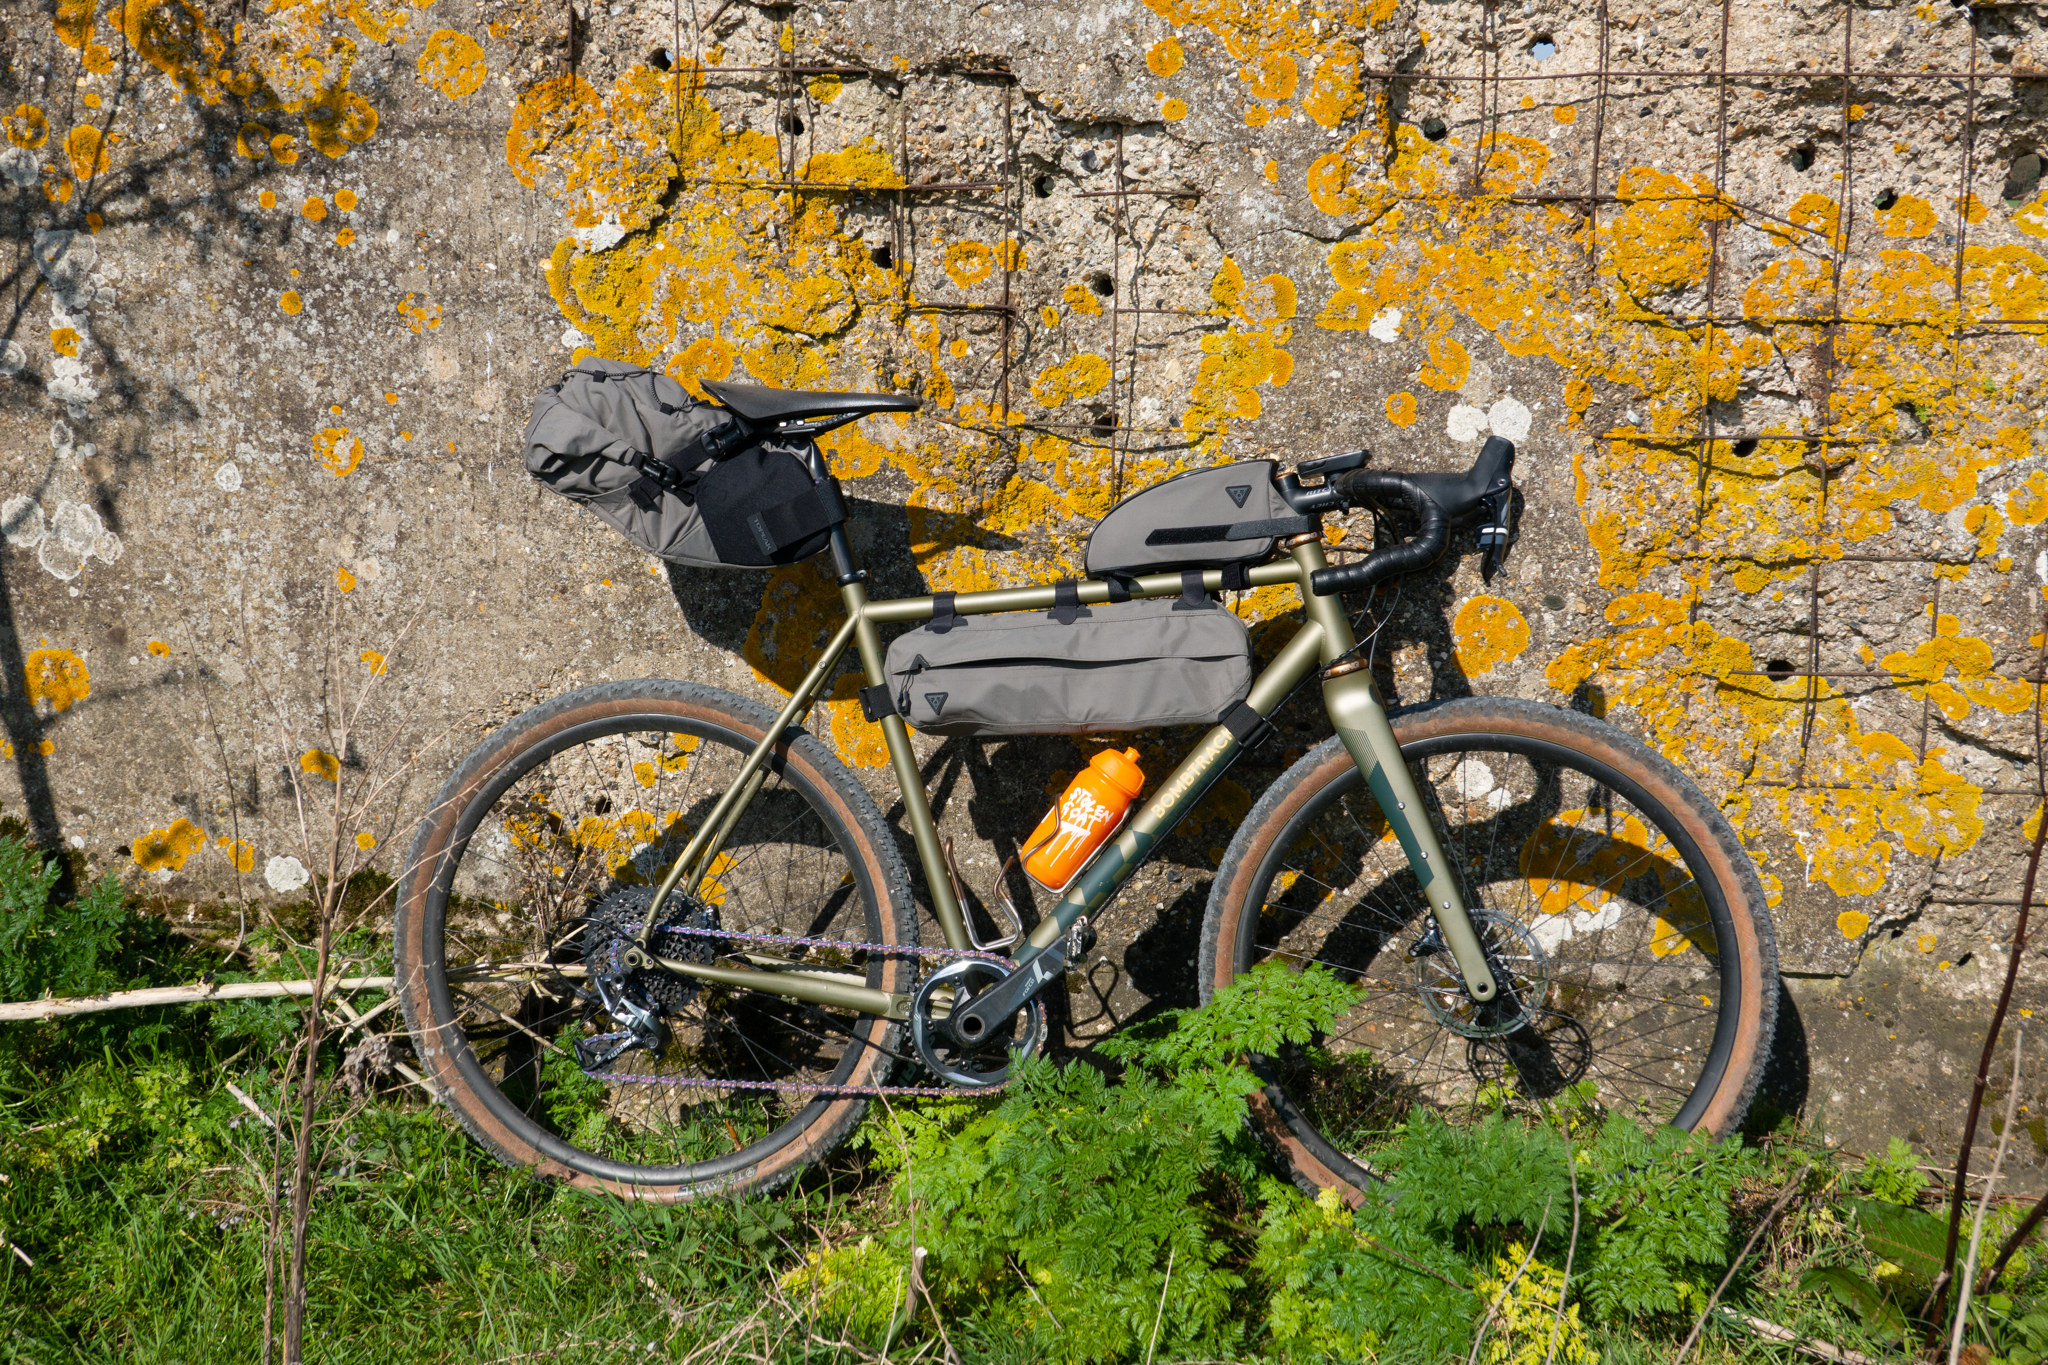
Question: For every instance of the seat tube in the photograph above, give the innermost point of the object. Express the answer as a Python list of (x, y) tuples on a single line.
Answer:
[(917, 812), (1360, 717)]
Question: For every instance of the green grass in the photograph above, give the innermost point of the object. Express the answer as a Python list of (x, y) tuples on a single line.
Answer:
[(136, 1182)]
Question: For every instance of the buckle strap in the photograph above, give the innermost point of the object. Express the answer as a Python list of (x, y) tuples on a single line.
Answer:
[(1247, 726), (1192, 596), (1066, 602), (876, 703)]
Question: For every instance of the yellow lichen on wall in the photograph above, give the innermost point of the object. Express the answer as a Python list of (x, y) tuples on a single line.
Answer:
[(57, 679), (165, 850), (453, 64), (1487, 631)]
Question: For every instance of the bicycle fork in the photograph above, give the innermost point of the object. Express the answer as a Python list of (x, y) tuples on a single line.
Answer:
[(1353, 702)]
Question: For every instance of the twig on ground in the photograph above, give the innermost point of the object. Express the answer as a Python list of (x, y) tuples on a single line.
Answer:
[(1785, 1336), (1571, 1166), (2012, 1099), (1937, 1298), (1160, 1316), (22, 1254), (16, 1011), (1784, 1198), (1032, 1290), (242, 1098), (1494, 1301)]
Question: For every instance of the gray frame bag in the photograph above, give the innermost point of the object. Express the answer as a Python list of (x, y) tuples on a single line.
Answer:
[(1209, 518), (678, 477), (1073, 671)]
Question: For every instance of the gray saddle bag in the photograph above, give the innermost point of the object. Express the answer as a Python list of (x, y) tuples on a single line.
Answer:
[(634, 447), (1075, 671)]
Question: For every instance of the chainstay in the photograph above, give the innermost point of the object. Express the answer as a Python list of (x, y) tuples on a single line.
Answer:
[(809, 1087)]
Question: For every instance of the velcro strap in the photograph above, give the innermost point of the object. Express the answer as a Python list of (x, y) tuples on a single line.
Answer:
[(1246, 726), (1192, 596), (943, 618), (1239, 530), (803, 516), (875, 702), (1119, 587), (1066, 602), (1237, 577)]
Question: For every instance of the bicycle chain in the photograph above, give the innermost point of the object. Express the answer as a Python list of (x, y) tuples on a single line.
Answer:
[(805, 1087)]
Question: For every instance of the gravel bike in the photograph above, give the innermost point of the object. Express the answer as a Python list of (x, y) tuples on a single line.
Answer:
[(655, 938)]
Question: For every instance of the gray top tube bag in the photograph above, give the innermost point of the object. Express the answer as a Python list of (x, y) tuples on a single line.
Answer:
[(1208, 518), (1074, 671)]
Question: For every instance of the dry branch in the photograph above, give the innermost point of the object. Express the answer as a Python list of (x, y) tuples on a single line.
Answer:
[(16, 1011)]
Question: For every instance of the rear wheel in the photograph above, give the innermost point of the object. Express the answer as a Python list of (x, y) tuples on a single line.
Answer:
[(534, 869), (1616, 904)]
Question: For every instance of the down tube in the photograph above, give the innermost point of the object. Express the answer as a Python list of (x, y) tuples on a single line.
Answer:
[(1184, 786)]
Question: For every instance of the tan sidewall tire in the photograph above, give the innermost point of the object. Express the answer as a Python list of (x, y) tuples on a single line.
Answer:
[(826, 777), (1662, 782)]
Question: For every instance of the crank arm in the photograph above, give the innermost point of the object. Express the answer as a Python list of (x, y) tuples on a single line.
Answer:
[(992, 1008)]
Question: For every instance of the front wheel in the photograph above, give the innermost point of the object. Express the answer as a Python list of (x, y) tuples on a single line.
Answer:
[(1615, 901)]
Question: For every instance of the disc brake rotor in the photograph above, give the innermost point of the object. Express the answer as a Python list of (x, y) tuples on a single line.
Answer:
[(1519, 967)]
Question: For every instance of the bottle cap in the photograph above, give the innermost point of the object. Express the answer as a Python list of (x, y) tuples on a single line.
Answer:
[(1121, 769)]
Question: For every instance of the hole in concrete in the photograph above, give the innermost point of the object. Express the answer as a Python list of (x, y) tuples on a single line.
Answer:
[(1886, 198), (1042, 187), (1433, 128), (1777, 670), (1543, 48), (659, 59), (2023, 177), (1802, 157), (1746, 446), (791, 124), (1104, 423), (882, 256), (1101, 283)]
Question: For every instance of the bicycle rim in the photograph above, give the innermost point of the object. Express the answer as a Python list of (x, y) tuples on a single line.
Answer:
[(552, 858), (1594, 898)]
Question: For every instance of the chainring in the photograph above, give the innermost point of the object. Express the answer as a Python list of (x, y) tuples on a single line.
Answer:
[(612, 925)]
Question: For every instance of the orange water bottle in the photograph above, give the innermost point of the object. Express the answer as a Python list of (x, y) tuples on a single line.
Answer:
[(1087, 813)]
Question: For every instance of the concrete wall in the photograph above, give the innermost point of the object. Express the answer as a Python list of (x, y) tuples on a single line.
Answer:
[(282, 279)]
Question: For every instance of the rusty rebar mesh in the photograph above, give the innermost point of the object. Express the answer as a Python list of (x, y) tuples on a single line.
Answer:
[(1852, 76)]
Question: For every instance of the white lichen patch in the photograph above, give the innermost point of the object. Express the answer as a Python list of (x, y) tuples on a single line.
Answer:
[(21, 518), (228, 478), (1385, 325), (1509, 417), (285, 873), (1465, 423), (76, 534)]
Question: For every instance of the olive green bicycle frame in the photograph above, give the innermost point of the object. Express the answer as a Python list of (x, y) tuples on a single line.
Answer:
[(1349, 695)]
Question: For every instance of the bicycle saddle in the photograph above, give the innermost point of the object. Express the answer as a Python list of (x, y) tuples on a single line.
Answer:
[(758, 403)]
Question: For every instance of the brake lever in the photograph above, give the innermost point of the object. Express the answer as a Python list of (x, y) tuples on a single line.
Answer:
[(1493, 530)]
